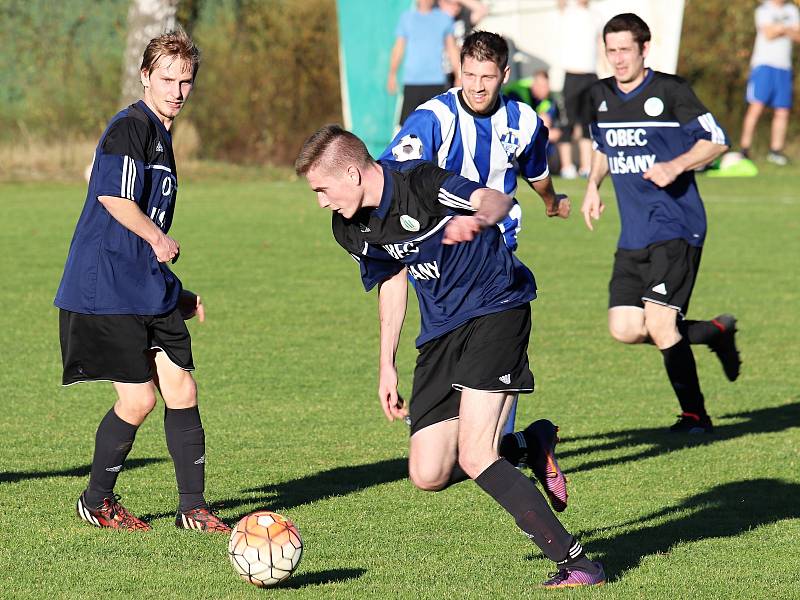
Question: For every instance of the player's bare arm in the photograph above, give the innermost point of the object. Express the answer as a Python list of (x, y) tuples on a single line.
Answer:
[(555, 205), (593, 206), (491, 207), (392, 303), (451, 50), (132, 218), (702, 153)]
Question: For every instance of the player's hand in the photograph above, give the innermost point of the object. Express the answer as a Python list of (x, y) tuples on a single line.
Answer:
[(662, 173), (391, 402), (191, 305), (592, 206), (463, 229), (165, 248), (561, 208)]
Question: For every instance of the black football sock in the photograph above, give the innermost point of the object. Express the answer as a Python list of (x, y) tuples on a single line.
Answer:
[(112, 443), (186, 442), (682, 373), (513, 447), (522, 499), (699, 332)]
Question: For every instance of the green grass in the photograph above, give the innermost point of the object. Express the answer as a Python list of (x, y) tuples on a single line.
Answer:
[(287, 373)]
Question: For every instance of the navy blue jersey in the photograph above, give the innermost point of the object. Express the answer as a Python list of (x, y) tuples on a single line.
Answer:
[(453, 283), (656, 122), (109, 269)]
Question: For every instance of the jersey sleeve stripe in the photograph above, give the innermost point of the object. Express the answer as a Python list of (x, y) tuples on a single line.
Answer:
[(123, 184), (709, 124), (449, 199), (131, 177)]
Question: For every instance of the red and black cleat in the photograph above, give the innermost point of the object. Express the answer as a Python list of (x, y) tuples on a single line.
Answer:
[(725, 346), (201, 519), (112, 515)]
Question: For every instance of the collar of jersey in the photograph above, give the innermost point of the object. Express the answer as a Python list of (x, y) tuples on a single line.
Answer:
[(474, 114), (146, 109), (635, 91)]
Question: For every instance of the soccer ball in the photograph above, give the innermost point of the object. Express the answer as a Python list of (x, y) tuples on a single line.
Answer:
[(265, 548)]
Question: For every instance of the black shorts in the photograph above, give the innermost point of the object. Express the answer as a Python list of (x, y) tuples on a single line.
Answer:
[(118, 347), (663, 273), (488, 353), (414, 95), (577, 103)]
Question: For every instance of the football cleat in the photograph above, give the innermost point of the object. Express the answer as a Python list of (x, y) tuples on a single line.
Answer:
[(567, 578), (201, 519), (692, 423), (541, 437), (777, 158), (111, 515), (725, 346)]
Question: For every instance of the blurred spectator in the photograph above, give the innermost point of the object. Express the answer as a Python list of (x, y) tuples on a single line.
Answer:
[(535, 92), (770, 83), (423, 35), (580, 34), (466, 15)]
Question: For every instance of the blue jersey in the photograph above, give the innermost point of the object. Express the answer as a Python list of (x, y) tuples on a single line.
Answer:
[(454, 283), (656, 122), (109, 269), (492, 149)]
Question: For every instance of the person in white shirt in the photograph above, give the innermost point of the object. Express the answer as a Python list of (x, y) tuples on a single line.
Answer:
[(770, 82)]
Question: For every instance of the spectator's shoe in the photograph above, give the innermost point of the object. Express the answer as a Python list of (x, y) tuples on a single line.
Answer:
[(725, 346), (567, 578), (569, 172), (777, 158), (541, 438), (111, 515), (691, 423), (200, 519)]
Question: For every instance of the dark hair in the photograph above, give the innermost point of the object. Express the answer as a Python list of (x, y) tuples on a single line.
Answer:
[(172, 43), (484, 45), (629, 22), (334, 145)]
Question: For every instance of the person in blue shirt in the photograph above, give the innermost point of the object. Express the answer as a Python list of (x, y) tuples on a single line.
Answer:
[(487, 137), (422, 37), (414, 218), (122, 310), (650, 132)]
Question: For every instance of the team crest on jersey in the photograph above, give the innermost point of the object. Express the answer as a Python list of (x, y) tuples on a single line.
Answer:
[(159, 147), (409, 223), (603, 107), (510, 142), (653, 106)]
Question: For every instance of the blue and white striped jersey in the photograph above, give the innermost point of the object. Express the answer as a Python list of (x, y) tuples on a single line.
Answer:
[(656, 122), (454, 283), (492, 149), (110, 269)]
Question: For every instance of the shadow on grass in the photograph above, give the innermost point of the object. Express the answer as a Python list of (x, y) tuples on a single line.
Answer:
[(82, 471), (321, 578), (662, 441), (325, 484), (726, 510)]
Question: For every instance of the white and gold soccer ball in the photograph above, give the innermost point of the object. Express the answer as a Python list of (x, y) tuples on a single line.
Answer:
[(265, 548)]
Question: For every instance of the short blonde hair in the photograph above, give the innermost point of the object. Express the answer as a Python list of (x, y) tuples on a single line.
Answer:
[(172, 43)]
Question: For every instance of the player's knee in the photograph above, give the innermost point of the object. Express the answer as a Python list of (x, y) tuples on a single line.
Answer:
[(626, 333), (134, 408), (427, 478), (182, 394)]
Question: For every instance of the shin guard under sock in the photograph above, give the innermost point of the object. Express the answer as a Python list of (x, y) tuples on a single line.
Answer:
[(187, 445), (112, 444), (522, 499)]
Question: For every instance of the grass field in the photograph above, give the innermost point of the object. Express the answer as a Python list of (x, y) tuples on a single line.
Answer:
[(287, 367)]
